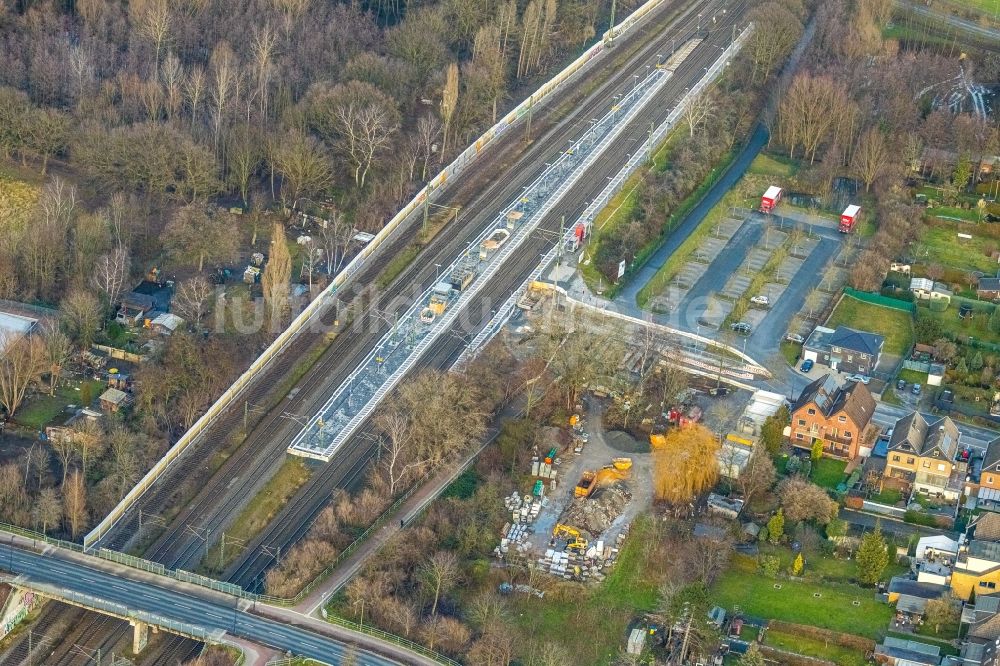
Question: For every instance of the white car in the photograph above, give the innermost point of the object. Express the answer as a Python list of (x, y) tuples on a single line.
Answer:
[(793, 337), (760, 300), (859, 378)]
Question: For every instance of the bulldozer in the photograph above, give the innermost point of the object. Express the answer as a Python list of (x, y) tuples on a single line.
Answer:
[(574, 541), (590, 481)]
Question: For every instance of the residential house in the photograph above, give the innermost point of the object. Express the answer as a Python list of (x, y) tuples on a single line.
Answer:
[(988, 288), (982, 639), (922, 456), (928, 290), (989, 478), (977, 568), (844, 349), (903, 652), (985, 527), (835, 415)]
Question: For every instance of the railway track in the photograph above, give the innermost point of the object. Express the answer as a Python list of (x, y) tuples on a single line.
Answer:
[(293, 521), (225, 489)]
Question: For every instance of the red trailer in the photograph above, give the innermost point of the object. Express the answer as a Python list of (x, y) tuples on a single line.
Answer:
[(849, 218), (770, 199)]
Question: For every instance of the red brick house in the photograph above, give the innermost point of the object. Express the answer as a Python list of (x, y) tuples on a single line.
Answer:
[(835, 415)]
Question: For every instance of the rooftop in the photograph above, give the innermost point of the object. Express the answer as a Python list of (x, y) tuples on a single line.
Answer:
[(854, 399), (859, 341), (13, 326)]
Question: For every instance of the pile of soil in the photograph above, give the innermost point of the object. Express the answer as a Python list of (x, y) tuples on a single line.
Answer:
[(595, 515)]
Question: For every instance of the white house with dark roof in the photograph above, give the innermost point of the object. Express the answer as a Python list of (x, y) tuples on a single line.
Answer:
[(844, 349)]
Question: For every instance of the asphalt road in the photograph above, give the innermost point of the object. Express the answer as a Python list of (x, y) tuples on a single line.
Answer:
[(180, 604)]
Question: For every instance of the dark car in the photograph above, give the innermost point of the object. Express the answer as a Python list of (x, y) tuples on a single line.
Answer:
[(807, 365), (901, 384)]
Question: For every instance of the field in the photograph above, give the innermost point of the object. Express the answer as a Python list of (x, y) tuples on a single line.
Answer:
[(943, 244), (976, 325), (797, 601), (895, 325)]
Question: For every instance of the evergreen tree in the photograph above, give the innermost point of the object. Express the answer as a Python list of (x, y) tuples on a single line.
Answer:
[(776, 527), (976, 362), (797, 565), (873, 556), (817, 450)]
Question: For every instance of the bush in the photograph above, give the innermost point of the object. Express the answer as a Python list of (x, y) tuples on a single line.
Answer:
[(770, 565), (918, 518)]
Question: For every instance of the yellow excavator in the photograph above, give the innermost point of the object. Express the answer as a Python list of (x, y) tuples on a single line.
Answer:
[(572, 535), (590, 481)]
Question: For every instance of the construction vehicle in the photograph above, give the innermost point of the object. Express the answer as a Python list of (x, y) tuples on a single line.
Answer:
[(574, 540), (437, 304), (622, 464), (590, 481)]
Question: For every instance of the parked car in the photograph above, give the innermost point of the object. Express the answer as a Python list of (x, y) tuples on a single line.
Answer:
[(864, 379), (807, 365), (741, 327), (901, 384), (718, 391), (916, 389), (795, 337), (760, 300)]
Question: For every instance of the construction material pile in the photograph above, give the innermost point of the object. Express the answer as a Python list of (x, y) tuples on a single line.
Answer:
[(593, 564), (523, 511), (595, 515)]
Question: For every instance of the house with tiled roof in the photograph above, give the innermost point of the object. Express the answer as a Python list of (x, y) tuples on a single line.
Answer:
[(844, 349), (922, 454), (988, 496), (983, 636), (835, 415), (977, 569)]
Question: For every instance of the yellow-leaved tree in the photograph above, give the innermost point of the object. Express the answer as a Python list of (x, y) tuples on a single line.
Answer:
[(685, 465)]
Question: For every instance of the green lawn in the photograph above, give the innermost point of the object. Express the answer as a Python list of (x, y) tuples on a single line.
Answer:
[(953, 213), (895, 325), (946, 647), (810, 647), (794, 602), (943, 244), (791, 351), (976, 325), (776, 166), (913, 376), (888, 496), (36, 412), (827, 472)]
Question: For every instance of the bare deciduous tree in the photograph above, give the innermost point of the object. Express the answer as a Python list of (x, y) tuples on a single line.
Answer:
[(47, 510), (74, 492), (439, 574), (192, 299), (21, 364), (871, 157), (449, 101), (111, 273), (275, 279)]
